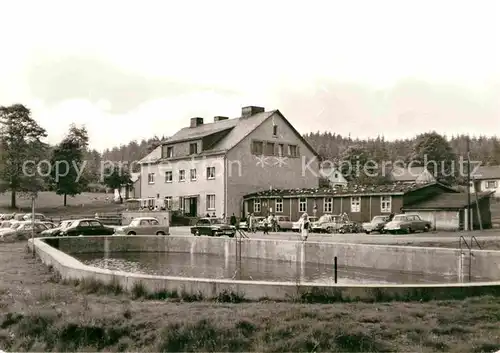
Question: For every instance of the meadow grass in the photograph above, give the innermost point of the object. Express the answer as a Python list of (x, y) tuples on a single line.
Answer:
[(51, 204), (40, 313)]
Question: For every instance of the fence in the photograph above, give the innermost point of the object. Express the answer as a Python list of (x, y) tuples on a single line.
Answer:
[(112, 219)]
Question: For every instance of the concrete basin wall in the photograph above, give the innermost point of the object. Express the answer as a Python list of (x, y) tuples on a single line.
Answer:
[(54, 252), (405, 259)]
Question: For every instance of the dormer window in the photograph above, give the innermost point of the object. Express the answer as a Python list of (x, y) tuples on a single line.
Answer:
[(275, 130), (193, 148), (167, 151)]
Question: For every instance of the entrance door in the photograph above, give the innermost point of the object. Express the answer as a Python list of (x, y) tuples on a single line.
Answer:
[(193, 206)]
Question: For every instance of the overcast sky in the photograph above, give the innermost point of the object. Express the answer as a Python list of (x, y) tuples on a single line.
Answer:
[(133, 69)]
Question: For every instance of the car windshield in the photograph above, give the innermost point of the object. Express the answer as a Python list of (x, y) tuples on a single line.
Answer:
[(215, 221), (379, 219), (6, 225), (15, 225), (399, 218)]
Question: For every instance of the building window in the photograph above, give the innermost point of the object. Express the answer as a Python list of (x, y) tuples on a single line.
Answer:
[(279, 206), (293, 151), (302, 205), (168, 202), (275, 130), (210, 172), (491, 184), (270, 149), (193, 148), (168, 177), (336, 175), (256, 206), (356, 204), (193, 175), (386, 204), (258, 147), (167, 151), (151, 178), (182, 175), (281, 150), (210, 202), (328, 205)]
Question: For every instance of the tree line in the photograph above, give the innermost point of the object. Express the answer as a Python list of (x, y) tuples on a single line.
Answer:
[(21, 140)]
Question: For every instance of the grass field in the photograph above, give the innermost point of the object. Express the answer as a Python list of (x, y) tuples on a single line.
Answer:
[(51, 204), (37, 313)]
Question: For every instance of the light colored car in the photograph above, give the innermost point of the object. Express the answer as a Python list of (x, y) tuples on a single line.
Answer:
[(53, 232), (38, 217), (143, 226), (296, 225), (376, 224), (283, 223), (407, 223), (22, 230), (327, 224), (244, 225)]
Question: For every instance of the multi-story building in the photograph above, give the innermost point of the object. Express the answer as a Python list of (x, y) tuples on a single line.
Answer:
[(207, 168)]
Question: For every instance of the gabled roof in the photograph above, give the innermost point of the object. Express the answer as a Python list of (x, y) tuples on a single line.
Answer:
[(486, 172), (446, 201), (411, 174), (346, 190), (237, 130)]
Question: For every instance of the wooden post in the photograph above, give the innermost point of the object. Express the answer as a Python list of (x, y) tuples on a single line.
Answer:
[(370, 200), (478, 211)]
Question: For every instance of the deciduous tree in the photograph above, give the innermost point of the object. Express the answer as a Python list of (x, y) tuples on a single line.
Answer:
[(431, 150), (68, 174), (22, 150), (116, 177)]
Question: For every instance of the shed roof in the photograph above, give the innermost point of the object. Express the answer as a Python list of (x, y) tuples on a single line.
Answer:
[(486, 172), (446, 201), (346, 190)]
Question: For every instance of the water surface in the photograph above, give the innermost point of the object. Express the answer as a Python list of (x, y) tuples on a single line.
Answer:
[(216, 267)]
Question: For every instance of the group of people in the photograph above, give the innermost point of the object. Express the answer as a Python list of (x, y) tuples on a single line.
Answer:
[(271, 223)]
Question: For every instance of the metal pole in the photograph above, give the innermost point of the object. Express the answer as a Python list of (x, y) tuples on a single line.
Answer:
[(33, 224), (335, 267), (469, 221)]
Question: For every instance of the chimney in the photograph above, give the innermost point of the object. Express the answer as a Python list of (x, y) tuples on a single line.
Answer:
[(220, 118), (195, 122), (251, 110)]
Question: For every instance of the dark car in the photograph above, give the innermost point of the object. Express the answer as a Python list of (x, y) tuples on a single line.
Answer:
[(87, 227), (213, 227)]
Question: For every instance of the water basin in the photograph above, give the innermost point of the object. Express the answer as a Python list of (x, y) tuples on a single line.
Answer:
[(216, 267)]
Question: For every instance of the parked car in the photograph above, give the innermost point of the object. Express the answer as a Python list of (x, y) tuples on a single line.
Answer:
[(22, 230), (87, 227), (7, 216), (407, 223), (283, 223), (18, 216), (38, 217), (244, 224), (350, 227), (376, 224), (296, 225), (54, 232), (327, 224), (49, 225), (144, 226), (212, 227)]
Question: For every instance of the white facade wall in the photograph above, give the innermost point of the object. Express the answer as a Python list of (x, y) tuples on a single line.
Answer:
[(441, 220), (486, 185), (201, 187)]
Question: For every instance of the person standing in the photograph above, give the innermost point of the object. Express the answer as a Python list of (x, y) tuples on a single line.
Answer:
[(266, 225), (304, 226), (251, 223), (232, 220)]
